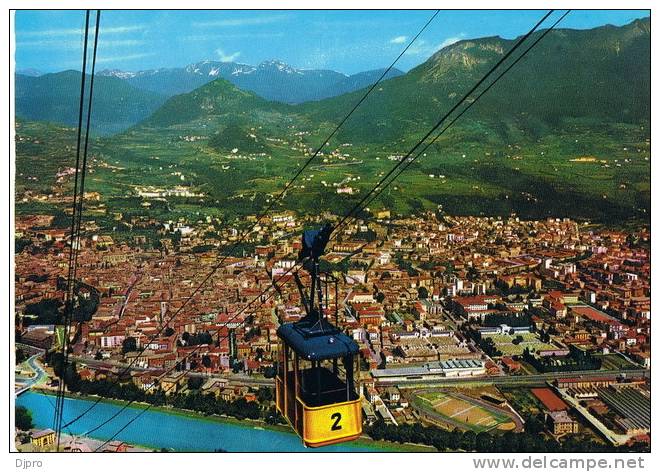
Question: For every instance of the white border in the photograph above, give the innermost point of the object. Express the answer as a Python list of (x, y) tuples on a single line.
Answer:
[(243, 462)]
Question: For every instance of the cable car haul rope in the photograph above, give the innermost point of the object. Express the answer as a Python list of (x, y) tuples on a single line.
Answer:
[(317, 379)]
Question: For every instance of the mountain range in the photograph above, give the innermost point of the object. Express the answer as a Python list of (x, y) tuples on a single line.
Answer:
[(578, 93), (273, 80), (600, 74), (123, 98), (580, 96)]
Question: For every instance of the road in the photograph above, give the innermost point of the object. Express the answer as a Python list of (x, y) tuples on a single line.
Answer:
[(39, 374), (519, 380), (240, 379), (123, 304)]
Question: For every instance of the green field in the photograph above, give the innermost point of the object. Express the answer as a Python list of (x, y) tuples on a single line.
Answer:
[(521, 399), (542, 181), (531, 341), (615, 362)]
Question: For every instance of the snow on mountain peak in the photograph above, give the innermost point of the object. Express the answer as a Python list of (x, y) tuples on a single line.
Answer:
[(280, 66), (120, 74)]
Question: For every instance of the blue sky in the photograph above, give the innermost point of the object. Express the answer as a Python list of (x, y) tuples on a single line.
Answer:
[(346, 41)]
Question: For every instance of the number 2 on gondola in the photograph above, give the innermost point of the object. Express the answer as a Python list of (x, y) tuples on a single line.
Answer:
[(337, 417)]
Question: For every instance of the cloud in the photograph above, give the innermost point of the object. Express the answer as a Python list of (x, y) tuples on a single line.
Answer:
[(217, 37), (124, 58), (255, 20), (348, 22), (56, 33), (424, 48), (227, 57), (450, 41), (399, 40), (122, 29), (72, 44)]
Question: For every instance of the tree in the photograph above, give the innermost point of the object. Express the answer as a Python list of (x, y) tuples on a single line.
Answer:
[(20, 244), (20, 356), (71, 377), (195, 383), (364, 365), (47, 311), (270, 372), (56, 360), (422, 293), (23, 418), (265, 394), (128, 345)]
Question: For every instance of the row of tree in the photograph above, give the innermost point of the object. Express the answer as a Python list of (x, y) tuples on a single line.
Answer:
[(528, 441), (571, 363), (194, 399)]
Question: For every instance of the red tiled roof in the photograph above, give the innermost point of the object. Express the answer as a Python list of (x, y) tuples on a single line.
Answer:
[(592, 314), (549, 399)]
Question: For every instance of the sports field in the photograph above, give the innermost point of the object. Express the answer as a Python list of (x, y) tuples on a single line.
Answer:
[(461, 412)]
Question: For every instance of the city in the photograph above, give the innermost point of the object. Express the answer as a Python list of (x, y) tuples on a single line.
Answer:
[(516, 322)]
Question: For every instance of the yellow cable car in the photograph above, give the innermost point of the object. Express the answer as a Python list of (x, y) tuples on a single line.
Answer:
[(317, 381)]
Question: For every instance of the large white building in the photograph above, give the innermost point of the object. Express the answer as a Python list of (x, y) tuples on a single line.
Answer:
[(432, 370)]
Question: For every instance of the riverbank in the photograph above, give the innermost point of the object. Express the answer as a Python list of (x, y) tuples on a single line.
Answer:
[(364, 444)]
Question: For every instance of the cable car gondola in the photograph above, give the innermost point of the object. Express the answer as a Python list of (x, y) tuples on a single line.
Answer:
[(317, 381)]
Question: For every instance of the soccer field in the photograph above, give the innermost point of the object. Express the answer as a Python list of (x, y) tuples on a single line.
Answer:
[(464, 413)]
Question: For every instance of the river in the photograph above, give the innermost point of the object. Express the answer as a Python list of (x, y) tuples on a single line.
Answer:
[(158, 429)]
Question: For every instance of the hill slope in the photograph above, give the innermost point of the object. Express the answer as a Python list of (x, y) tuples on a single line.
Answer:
[(55, 97), (601, 74)]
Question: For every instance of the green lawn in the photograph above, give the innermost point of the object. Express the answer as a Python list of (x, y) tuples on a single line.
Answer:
[(531, 341)]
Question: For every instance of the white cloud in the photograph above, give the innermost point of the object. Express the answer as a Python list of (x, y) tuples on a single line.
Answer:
[(56, 33), (424, 48), (217, 37), (121, 29), (256, 20), (124, 58), (418, 48), (224, 57), (399, 40), (450, 41), (72, 44)]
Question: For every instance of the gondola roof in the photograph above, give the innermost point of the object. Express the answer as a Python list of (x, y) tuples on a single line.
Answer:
[(317, 341)]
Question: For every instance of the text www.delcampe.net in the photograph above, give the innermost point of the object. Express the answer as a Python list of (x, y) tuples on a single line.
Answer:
[(570, 463)]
